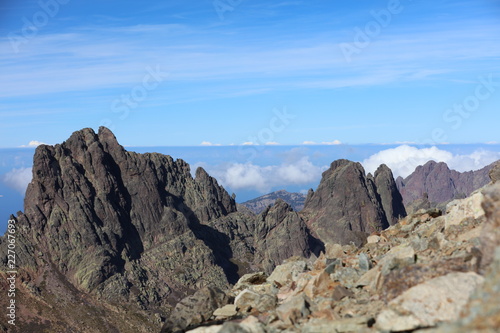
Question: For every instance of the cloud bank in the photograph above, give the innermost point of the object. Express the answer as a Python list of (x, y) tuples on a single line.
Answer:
[(404, 159), (263, 179), (17, 179)]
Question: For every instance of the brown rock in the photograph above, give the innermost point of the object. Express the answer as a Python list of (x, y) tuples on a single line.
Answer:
[(494, 173), (437, 300), (293, 310), (490, 235), (194, 309)]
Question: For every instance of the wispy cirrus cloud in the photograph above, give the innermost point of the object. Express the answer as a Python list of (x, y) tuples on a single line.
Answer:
[(115, 56)]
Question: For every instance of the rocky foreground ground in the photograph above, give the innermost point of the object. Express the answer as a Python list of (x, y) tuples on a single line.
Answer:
[(431, 272)]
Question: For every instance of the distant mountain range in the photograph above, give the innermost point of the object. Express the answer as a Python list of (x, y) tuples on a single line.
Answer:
[(435, 184), (431, 185), (258, 205)]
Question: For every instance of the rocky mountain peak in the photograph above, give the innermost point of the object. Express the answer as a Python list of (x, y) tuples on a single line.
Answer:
[(436, 184), (347, 203)]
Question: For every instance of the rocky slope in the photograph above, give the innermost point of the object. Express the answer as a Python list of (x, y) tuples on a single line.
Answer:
[(348, 204), (434, 183), (258, 205), (111, 240), (428, 273)]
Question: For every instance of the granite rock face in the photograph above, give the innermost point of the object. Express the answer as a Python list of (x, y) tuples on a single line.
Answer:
[(348, 204), (280, 234), (438, 184)]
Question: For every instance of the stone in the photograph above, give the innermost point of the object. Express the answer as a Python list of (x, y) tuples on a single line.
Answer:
[(365, 263), (333, 251), (248, 301), (317, 284), (372, 239), (194, 309), (250, 279), (459, 210), (293, 310), (227, 311), (369, 279), (345, 325), (206, 329), (490, 235), (425, 305), (494, 173), (347, 276), (482, 312), (287, 272), (341, 292), (252, 325)]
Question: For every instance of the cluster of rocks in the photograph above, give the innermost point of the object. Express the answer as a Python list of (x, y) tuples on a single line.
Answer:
[(431, 272)]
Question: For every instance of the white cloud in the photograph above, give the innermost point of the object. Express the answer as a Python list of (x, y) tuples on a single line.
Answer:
[(33, 143), (272, 143), (249, 143), (404, 159), (331, 143), (18, 179), (208, 143), (325, 143), (249, 176)]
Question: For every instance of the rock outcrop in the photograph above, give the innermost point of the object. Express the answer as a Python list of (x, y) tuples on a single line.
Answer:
[(439, 185), (347, 204), (391, 199), (281, 234)]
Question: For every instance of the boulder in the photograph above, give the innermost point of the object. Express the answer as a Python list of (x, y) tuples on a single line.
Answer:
[(194, 309), (468, 208), (425, 305), (293, 310)]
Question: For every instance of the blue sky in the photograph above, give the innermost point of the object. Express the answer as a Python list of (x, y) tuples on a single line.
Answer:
[(179, 74)]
